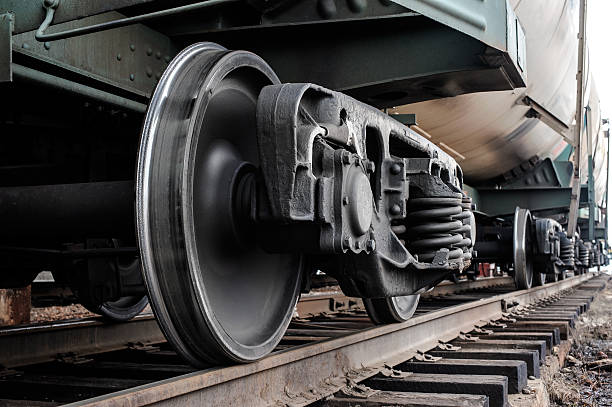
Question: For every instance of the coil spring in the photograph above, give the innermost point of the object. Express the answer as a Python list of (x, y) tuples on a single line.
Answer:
[(568, 251), (583, 254), (435, 223)]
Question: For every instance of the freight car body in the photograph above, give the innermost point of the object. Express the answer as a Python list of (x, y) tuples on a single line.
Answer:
[(510, 156), (252, 172)]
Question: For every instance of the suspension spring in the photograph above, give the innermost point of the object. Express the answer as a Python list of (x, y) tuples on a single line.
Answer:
[(567, 254), (435, 223), (583, 254)]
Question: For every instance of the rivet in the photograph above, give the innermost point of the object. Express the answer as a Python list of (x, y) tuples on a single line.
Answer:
[(167, 58), (347, 242), (132, 47), (371, 245), (395, 168), (370, 167), (345, 200), (149, 51), (158, 55), (395, 210), (346, 157), (327, 8), (47, 45), (118, 57), (132, 76), (357, 6), (157, 75), (149, 72), (25, 45)]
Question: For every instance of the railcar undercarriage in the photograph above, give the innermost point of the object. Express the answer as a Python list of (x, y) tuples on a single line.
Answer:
[(245, 187), (200, 182)]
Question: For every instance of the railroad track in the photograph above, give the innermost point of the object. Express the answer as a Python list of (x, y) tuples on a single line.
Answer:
[(321, 355)]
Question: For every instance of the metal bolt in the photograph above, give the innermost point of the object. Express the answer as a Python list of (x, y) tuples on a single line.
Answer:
[(345, 200), (347, 242), (167, 58), (149, 51), (327, 8), (47, 45), (25, 45), (370, 167), (158, 55), (149, 72), (157, 75), (441, 262), (371, 245), (395, 168), (118, 57), (132, 76), (395, 210), (132, 47), (346, 157)]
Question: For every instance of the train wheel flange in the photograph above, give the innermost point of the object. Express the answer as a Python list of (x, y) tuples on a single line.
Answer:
[(217, 296), (522, 248)]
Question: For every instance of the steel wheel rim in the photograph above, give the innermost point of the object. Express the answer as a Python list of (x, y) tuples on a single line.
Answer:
[(522, 249), (191, 295)]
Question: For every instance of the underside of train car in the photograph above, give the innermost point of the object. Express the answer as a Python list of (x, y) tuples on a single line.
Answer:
[(210, 157)]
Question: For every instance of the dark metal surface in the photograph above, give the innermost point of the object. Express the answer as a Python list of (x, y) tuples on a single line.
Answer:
[(6, 49), (54, 4), (29, 14), (25, 74)]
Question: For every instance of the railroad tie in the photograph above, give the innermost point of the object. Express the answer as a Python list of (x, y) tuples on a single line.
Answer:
[(495, 387), (409, 399)]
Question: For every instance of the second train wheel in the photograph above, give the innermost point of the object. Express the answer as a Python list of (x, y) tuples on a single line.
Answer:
[(523, 248), (123, 309), (539, 279), (217, 296), (392, 309)]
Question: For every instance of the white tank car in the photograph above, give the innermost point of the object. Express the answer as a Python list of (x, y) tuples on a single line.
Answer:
[(490, 132)]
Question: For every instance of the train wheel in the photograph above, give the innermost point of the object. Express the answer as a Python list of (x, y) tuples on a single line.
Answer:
[(123, 309), (522, 248), (539, 279), (217, 296), (392, 309)]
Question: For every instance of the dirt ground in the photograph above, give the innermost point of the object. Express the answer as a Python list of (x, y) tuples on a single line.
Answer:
[(58, 313), (586, 380)]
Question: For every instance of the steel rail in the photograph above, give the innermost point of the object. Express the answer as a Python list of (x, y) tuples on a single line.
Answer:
[(26, 345), (301, 375), (43, 342)]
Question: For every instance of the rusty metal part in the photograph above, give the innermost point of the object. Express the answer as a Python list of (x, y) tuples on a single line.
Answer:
[(15, 306)]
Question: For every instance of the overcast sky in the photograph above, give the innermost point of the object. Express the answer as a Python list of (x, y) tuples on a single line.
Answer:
[(599, 37)]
